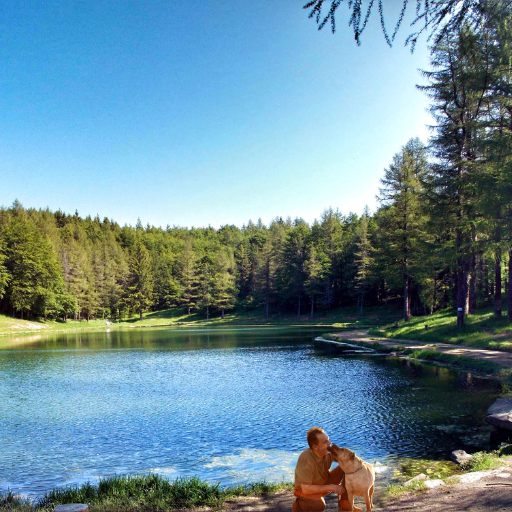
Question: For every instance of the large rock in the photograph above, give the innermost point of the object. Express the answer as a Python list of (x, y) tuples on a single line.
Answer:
[(418, 478), (500, 413), (461, 457)]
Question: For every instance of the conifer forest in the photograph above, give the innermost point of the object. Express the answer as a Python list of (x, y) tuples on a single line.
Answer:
[(441, 236)]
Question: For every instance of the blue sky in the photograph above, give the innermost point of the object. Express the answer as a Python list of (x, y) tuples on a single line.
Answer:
[(216, 114)]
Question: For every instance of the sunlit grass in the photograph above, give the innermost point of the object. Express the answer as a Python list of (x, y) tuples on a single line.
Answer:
[(150, 493), (341, 318), (482, 330)]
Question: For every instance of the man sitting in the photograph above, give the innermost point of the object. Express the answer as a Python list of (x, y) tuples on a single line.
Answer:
[(313, 478)]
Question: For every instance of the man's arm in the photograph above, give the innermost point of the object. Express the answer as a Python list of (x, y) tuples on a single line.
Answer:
[(315, 492)]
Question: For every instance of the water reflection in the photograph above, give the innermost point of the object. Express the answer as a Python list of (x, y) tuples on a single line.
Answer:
[(227, 405)]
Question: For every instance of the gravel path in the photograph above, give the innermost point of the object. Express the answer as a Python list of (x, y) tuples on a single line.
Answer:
[(495, 356)]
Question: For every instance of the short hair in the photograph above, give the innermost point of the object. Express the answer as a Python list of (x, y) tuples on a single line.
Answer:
[(312, 435)]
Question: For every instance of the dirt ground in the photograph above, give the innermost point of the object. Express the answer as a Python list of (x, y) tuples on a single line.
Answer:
[(489, 491), (496, 356)]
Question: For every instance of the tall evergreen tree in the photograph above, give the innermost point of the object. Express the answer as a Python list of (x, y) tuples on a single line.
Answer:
[(403, 223), (140, 288)]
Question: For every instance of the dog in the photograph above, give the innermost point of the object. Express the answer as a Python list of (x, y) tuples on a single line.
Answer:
[(359, 475)]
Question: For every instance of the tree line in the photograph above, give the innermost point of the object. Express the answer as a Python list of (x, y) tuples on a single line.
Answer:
[(440, 237)]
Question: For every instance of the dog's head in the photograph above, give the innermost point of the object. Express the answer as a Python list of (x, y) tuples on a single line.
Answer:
[(341, 454)]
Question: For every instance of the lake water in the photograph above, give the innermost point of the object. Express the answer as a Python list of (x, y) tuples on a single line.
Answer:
[(230, 406)]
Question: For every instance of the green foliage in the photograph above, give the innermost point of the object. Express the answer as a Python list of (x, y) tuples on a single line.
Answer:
[(482, 461), (150, 493), (140, 288)]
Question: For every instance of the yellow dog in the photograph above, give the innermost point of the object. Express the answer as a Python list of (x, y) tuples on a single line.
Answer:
[(359, 475)]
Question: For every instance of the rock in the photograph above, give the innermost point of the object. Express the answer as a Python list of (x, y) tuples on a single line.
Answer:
[(461, 457), (72, 507), (418, 478), (432, 484), (500, 413)]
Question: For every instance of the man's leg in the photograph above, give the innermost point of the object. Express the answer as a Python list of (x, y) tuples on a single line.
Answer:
[(306, 505)]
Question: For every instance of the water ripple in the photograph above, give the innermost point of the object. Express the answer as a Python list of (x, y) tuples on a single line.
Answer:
[(230, 407)]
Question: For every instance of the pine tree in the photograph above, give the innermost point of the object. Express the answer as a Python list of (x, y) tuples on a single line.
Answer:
[(4, 274), (189, 278), (362, 259), (458, 84), (224, 289), (402, 224), (140, 288)]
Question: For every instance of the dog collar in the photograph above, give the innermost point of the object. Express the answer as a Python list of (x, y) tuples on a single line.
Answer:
[(354, 471)]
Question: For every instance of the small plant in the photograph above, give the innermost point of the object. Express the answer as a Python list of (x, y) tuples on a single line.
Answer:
[(395, 491), (482, 461)]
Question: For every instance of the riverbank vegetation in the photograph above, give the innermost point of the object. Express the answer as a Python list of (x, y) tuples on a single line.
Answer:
[(153, 493), (482, 330), (440, 238), (150, 493)]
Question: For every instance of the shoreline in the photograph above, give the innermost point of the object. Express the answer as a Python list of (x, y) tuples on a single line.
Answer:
[(486, 490)]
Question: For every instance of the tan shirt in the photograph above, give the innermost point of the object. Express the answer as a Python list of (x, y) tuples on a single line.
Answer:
[(311, 469)]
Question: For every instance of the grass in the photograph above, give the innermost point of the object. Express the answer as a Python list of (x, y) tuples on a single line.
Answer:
[(150, 493), (481, 461), (340, 318), (456, 361), (395, 491), (482, 330)]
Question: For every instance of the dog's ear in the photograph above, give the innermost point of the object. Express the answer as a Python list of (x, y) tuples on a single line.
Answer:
[(352, 455)]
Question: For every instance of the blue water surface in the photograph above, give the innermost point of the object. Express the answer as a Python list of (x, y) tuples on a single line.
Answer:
[(230, 406)]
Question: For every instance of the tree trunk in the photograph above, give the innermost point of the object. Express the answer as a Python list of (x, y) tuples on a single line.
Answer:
[(207, 313), (188, 310), (462, 301), (139, 312), (497, 283), (222, 314), (312, 303), (509, 289), (407, 298), (298, 309), (472, 286)]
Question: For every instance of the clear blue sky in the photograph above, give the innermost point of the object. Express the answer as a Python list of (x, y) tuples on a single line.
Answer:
[(215, 114)]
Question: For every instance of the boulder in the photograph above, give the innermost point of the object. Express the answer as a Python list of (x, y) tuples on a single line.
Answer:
[(72, 507), (432, 484), (500, 413), (461, 457), (418, 478)]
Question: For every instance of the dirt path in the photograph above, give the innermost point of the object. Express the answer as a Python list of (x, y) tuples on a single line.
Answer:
[(495, 356), (486, 491)]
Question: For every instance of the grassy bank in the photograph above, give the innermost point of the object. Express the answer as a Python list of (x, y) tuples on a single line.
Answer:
[(481, 461), (177, 317), (482, 330), (431, 354), (150, 493)]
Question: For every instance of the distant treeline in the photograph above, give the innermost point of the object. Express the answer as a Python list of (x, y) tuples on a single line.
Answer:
[(441, 236)]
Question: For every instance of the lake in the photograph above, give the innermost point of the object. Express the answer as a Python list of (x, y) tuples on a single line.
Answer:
[(230, 405)]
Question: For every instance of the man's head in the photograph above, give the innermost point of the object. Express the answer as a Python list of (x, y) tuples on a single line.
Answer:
[(318, 441)]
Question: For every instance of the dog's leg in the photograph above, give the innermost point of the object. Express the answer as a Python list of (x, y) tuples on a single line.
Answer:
[(350, 499), (368, 501), (371, 496)]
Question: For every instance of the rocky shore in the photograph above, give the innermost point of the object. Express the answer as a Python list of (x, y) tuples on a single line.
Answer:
[(489, 491)]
